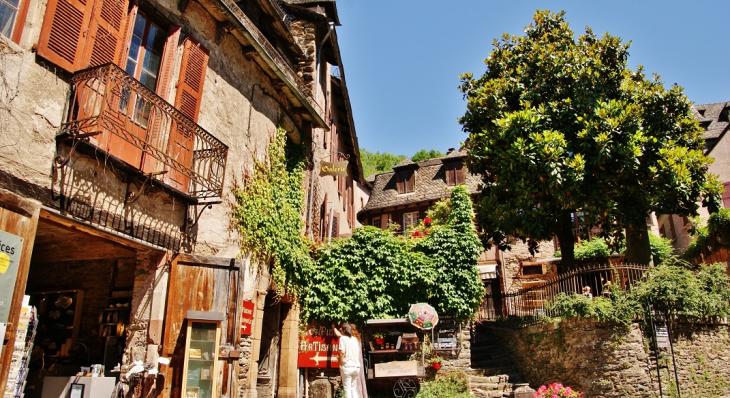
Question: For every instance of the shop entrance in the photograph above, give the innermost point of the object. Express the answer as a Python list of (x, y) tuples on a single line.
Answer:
[(80, 286)]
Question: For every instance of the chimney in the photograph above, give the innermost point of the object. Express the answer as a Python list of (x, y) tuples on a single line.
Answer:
[(450, 150)]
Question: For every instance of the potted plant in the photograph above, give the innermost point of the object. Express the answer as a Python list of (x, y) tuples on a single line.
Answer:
[(435, 362), (379, 338)]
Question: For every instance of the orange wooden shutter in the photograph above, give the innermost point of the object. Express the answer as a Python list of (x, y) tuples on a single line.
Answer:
[(187, 100), (126, 34), (106, 33), (63, 34)]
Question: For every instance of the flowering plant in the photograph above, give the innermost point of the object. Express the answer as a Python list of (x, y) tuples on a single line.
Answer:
[(557, 390)]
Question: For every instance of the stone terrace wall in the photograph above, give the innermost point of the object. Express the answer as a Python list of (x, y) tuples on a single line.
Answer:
[(594, 357)]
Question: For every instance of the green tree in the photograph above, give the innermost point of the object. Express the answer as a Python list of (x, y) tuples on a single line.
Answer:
[(558, 125), (377, 162), (425, 155)]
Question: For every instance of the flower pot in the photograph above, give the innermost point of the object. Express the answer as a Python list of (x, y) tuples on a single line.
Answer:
[(436, 365), (379, 341)]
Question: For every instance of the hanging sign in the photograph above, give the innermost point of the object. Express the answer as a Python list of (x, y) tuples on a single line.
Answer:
[(319, 348), (247, 318), (10, 247), (334, 169)]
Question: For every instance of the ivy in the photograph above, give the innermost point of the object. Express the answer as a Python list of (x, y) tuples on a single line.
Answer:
[(377, 274), (268, 214)]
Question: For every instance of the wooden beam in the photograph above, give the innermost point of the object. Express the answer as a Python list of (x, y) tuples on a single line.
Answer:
[(197, 259)]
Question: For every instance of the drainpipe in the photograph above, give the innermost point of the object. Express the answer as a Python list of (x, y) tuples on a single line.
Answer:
[(314, 135)]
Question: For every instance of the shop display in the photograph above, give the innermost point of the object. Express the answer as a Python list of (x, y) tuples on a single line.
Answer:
[(59, 316), (25, 334), (201, 359)]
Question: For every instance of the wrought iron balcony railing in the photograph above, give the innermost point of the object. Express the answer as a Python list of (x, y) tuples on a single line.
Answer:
[(119, 115)]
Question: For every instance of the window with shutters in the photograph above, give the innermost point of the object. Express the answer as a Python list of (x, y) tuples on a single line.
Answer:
[(726, 195), (454, 173), (405, 181)]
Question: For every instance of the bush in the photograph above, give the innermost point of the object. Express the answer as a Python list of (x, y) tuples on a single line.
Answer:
[(446, 385), (597, 247), (617, 310), (715, 287), (662, 250), (713, 236)]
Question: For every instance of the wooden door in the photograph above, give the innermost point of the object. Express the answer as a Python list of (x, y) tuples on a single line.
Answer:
[(18, 217)]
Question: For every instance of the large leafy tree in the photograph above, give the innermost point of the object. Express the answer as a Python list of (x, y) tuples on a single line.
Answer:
[(559, 125)]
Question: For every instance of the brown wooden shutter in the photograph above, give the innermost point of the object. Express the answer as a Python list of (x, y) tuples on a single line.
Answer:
[(323, 219), (187, 100), (450, 174), (336, 224), (410, 181), (459, 176), (63, 34), (726, 195), (400, 182)]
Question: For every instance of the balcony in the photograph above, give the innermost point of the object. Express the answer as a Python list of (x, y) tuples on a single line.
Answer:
[(114, 112)]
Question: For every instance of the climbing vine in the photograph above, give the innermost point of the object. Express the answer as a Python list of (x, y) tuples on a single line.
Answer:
[(268, 214), (377, 274)]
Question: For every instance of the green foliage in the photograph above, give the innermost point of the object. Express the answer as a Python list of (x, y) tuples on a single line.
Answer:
[(373, 163), (425, 155), (446, 385), (559, 124), (375, 274), (268, 214), (713, 282), (662, 250), (713, 236), (594, 248), (618, 309), (671, 290), (439, 212)]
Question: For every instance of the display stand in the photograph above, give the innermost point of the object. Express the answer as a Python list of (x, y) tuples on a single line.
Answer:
[(21, 351), (201, 358), (446, 336)]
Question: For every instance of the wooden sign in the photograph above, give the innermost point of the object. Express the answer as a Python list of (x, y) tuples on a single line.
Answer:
[(318, 348), (334, 169), (396, 369), (247, 317)]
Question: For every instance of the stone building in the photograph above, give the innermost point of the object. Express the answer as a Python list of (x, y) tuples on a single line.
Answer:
[(713, 118), (126, 126)]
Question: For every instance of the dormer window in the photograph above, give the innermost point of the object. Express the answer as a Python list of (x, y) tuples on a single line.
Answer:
[(405, 176), (725, 115), (454, 173), (406, 181)]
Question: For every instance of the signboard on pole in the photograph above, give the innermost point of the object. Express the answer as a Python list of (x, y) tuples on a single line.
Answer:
[(334, 169), (10, 248), (319, 348)]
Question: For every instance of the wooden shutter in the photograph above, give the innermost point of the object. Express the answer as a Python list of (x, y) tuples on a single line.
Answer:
[(323, 219), (335, 224), (459, 176), (106, 33), (400, 182), (450, 174), (63, 33), (726, 195), (410, 181), (189, 94)]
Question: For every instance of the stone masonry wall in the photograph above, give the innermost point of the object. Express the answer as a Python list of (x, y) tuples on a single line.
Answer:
[(606, 362)]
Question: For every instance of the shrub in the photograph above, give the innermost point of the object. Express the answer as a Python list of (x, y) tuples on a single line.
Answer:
[(662, 250), (670, 289), (618, 309), (596, 247), (446, 385), (715, 287)]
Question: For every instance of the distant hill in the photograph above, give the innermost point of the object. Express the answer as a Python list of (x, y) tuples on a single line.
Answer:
[(374, 163)]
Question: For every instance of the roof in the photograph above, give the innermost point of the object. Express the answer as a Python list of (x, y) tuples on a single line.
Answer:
[(430, 184), (405, 163), (714, 120)]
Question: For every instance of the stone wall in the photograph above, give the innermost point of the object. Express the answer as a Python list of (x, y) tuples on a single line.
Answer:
[(519, 252), (608, 362)]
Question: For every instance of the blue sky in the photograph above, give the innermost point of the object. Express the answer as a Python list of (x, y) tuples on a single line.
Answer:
[(402, 58)]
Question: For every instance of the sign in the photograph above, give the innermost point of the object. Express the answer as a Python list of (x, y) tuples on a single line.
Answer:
[(10, 247), (247, 317), (334, 169), (396, 369), (318, 348), (662, 337)]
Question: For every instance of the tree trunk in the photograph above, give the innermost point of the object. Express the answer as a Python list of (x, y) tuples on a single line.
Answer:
[(638, 250), (567, 243)]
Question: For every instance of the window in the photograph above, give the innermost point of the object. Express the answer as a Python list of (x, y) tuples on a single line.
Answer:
[(409, 220), (12, 17), (405, 182), (454, 173), (376, 222)]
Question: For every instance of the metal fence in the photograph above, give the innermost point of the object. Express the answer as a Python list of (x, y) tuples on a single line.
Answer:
[(531, 304)]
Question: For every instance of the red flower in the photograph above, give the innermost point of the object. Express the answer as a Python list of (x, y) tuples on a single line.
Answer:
[(427, 220)]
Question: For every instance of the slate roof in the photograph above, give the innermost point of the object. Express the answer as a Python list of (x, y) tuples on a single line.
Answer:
[(430, 184), (714, 119)]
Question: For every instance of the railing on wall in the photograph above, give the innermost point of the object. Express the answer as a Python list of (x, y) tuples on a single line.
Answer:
[(116, 113), (531, 304)]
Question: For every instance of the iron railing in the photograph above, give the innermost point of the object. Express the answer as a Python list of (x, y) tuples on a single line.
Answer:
[(119, 115), (531, 304)]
